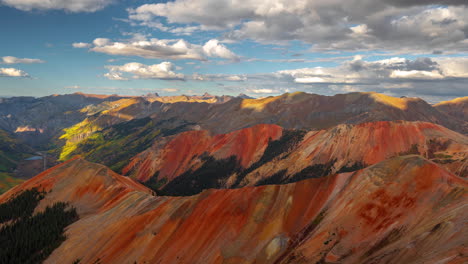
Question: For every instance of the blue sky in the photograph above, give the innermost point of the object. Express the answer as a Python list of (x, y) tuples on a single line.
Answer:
[(258, 47)]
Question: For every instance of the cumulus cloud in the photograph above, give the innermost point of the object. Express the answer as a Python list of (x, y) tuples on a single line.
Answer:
[(12, 72), (423, 77), (429, 78), (14, 60), (213, 48), (174, 49), (361, 72), (81, 45), (421, 26), (162, 71), (66, 5)]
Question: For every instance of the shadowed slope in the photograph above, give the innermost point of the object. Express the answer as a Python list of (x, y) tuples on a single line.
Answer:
[(390, 212), (174, 156), (350, 147)]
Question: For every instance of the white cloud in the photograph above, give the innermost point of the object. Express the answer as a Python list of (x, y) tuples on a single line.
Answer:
[(170, 90), (162, 71), (413, 74), (14, 60), (66, 5), (175, 49), (236, 78), (263, 91), (115, 76), (12, 72), (81, 45), (309, 80), (100, 42), (326, 24), (213, 48), (454, 67)]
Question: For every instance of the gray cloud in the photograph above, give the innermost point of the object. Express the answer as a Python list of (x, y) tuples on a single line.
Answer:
[(430, 78), (404, 26), (426, 2)]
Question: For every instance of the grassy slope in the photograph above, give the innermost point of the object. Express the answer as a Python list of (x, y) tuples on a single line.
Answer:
[(7, 182), (115, 145)]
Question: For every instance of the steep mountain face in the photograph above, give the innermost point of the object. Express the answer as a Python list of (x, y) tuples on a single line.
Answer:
[(387, 213), (351, 147), (180, 152), (267, 154), (457, 108)]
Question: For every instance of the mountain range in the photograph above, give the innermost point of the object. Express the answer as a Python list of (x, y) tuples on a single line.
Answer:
[(295, 178)]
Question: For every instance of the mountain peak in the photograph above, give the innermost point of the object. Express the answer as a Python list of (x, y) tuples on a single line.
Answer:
[(244, 96), (206, 94)]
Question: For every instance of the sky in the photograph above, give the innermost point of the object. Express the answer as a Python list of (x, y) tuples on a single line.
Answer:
[(257, 47)]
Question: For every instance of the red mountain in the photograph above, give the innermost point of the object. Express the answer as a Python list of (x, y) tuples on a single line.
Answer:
[(269, 154), (390, 212)]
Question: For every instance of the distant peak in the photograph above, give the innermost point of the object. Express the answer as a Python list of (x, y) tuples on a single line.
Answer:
[(152, 95), (244, 96)]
